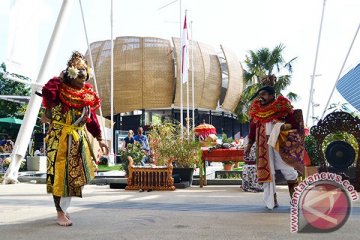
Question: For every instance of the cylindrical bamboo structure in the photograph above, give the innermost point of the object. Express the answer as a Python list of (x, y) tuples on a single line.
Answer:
[(146, 77)]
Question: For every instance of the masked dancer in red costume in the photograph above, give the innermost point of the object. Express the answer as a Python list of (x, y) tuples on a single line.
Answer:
[(70, 106), (279, 136)]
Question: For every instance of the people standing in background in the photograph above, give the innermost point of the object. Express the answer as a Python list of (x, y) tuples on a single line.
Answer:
[(143, 140), (6, 144), (129, 138), (3, 142), (39, 152)]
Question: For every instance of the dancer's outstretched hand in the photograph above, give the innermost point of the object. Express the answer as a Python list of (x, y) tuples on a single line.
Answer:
[(103, 147)]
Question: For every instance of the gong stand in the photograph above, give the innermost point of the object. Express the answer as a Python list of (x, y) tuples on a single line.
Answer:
[(332, 123)]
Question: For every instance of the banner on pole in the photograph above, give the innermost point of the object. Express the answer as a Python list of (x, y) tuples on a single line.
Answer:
[(185, 53)]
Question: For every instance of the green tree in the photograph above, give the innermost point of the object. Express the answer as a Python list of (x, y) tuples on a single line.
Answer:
[(260, 63), (9, 87)]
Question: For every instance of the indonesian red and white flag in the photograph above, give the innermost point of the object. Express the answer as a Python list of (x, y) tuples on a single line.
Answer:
[(185, 53)]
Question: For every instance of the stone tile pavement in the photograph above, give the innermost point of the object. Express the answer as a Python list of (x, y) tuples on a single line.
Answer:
[(212, 212)]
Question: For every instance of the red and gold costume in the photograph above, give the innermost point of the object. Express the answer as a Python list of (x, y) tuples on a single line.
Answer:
[(69, 155), (290, 143)]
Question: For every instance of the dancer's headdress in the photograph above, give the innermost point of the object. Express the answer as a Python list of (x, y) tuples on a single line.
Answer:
[(268, 83), (77, 66)]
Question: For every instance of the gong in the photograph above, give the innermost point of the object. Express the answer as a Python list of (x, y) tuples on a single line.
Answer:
[(340, 154)]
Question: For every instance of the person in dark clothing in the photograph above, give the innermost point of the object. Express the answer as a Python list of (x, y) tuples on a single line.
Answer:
[(129, 138)]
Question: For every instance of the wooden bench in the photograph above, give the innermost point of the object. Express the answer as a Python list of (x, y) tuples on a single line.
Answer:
[(150, 177)]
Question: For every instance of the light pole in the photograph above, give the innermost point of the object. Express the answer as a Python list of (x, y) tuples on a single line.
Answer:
[(313, 104)]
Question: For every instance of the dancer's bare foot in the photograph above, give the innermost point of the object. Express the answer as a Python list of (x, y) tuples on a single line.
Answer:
[(62, 220)]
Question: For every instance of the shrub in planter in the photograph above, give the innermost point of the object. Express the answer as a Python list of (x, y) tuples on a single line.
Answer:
[(166, 143), (186, 153), (7, 161), (135, 152), (161, 139)]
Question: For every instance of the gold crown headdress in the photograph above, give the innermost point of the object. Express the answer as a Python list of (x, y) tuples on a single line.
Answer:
[(77, 66), (268, 80)]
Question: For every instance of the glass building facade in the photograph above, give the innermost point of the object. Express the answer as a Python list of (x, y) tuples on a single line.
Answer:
[(349, 87)]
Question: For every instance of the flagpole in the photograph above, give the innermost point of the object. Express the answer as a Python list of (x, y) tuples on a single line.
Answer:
[(192, 80), (185, 70), (187, 112), (187, 98), (111, 158), (181, 80)]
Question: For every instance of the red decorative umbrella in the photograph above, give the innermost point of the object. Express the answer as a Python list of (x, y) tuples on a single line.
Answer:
[(204, 129)]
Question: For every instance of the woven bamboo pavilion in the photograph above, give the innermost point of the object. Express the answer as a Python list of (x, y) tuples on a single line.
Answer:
[(146, 80)]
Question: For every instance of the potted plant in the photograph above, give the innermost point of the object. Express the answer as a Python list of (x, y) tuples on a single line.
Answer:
[(187, 153), (135, 152), (167, 143), (161, 138)]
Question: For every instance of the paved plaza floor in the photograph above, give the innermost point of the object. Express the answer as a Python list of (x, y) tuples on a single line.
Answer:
[(212, 212)]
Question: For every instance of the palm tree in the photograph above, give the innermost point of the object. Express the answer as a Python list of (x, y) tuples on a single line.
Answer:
[(264, 62)]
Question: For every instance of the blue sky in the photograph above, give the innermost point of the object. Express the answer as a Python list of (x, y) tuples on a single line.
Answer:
[(240, 25)]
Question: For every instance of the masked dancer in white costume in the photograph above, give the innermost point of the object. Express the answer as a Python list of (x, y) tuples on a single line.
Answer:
[(278, 131)]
